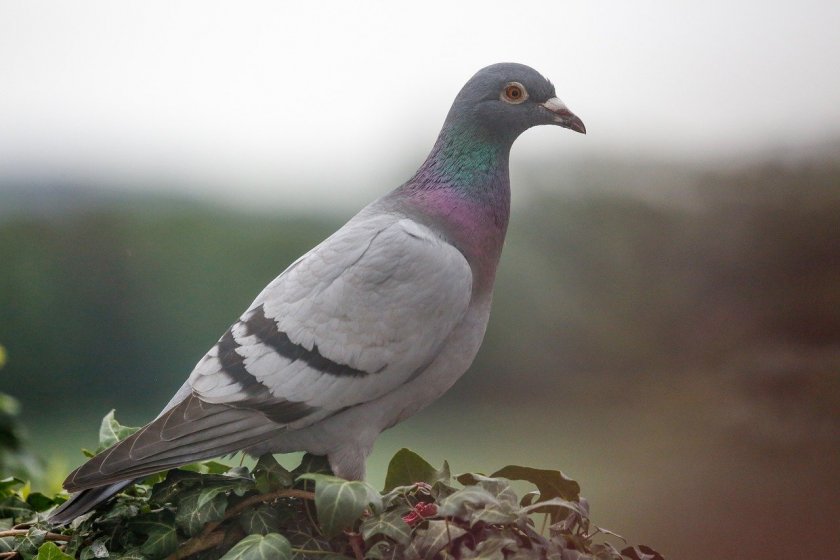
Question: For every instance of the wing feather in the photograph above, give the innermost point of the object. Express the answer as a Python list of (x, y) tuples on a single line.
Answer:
[(350, 321), (190, 431)]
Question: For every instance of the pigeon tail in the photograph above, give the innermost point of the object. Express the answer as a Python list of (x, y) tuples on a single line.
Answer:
[(84, 501), (193, 430)]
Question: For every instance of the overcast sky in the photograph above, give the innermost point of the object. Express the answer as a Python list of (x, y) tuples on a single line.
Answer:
[(279, 102)]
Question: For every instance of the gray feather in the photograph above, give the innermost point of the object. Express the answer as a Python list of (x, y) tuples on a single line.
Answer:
[(190, 431), (84, 501)]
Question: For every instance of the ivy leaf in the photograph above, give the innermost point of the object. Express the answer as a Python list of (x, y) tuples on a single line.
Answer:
[(50, 551), (498, 487), (339, 503), (529, 498), (176, 481), (15, 508), (270, 475), (29, 544), (546, 505), (162, 538), (9, 485), (199, 507), (161, 542), (566, 517), (261, 547), (111, 431), (180, 483), (302, 536), (397, 497), (479, 509), (463, 502), (431, 540), (407, 468), (8, 544), (551, 484), (494, 547), (95, 550), (494, 516), (39, 502), (389, 524), (260, 521), (241, 472), (316, 464), (119, 512)]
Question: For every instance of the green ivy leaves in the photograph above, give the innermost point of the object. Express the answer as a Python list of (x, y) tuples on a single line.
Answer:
[(340, 503), (50, 551), (261, 520), (407, 467), (270, 475), (209, 511), (551, 484), (15, 508), (199, 507), (111, 431), (14, 458), (390, 525), (261, 547), (161, 538)]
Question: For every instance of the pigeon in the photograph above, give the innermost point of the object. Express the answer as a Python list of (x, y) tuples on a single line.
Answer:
[(367, 328)]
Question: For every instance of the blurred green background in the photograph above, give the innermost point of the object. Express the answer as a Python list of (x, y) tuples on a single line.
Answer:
[(673, 348)]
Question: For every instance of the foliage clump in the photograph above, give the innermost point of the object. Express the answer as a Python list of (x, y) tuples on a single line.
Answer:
[(14, 458), (210, 511)]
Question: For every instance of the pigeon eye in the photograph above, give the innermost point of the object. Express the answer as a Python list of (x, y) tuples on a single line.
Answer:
[(514, 93)]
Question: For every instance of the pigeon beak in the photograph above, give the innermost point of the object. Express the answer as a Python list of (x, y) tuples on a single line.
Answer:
[(563, 116)]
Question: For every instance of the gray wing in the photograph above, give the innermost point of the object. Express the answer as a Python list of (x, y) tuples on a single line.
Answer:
[(348, 322)]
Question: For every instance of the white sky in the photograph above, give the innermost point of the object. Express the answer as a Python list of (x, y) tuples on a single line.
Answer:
[(328, 102)]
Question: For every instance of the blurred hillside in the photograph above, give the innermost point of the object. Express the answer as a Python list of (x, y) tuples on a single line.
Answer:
[(695, 319), (121, 295)]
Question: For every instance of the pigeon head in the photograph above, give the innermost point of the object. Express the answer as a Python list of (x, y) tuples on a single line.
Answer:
[(504, 100), (494, 107)]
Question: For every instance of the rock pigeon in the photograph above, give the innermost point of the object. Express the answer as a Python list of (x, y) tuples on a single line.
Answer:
[(365, 329)]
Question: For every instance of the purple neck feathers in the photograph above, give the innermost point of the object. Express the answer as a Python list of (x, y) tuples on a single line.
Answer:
[(463, 190)]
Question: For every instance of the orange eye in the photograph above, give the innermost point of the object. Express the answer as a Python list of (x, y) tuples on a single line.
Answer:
[(514, 92)]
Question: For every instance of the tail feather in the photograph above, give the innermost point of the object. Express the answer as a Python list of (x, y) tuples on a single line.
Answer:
[(190, 455), (190, 431), (84, 501)]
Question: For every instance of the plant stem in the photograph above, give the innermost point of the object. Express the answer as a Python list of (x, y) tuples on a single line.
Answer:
[(270, 497), (196, 545), (24, 532), (356, 544)]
